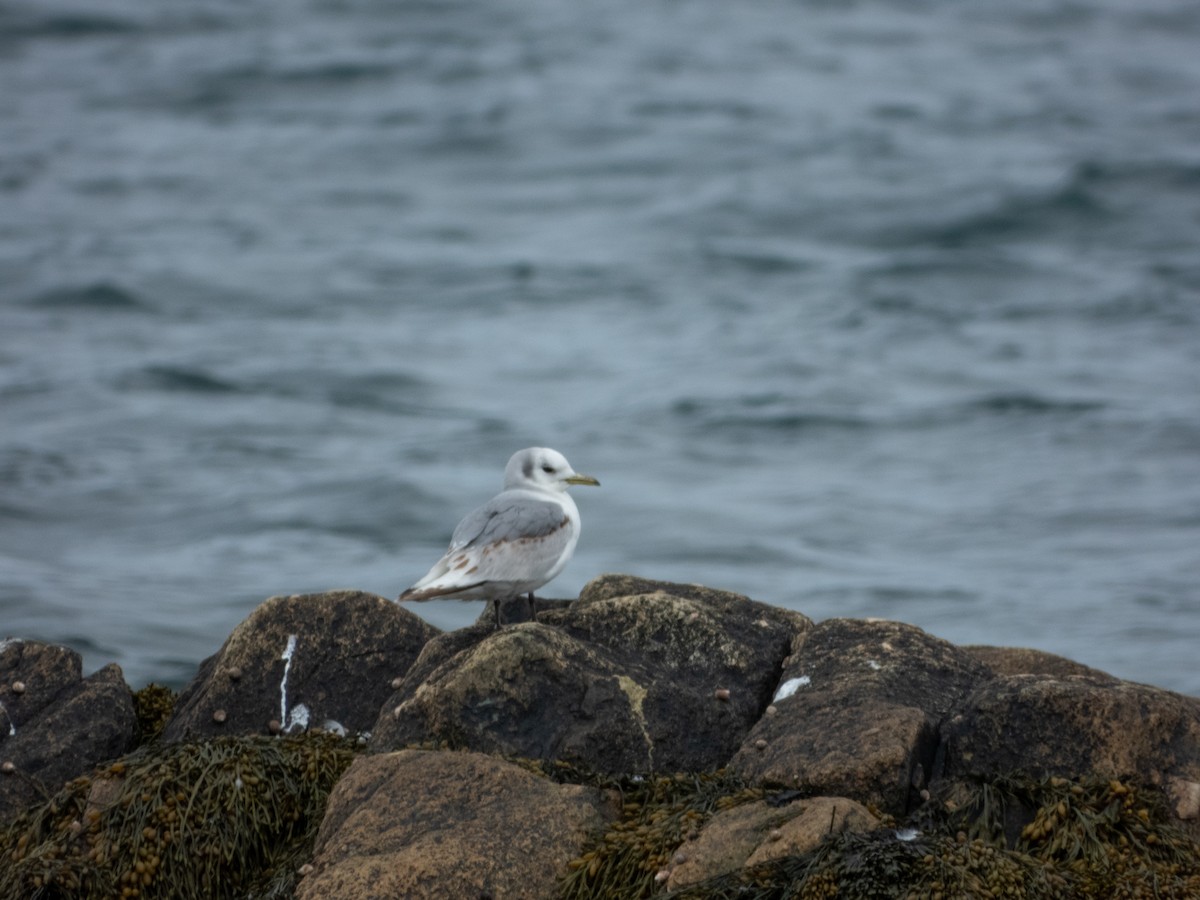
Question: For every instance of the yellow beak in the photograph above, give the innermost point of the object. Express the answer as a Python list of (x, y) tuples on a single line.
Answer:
[(582, 479)]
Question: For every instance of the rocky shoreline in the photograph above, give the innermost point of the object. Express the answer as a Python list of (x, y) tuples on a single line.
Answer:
[(646, 739)]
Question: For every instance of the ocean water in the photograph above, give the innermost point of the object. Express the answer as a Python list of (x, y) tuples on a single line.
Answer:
[(859, 308)]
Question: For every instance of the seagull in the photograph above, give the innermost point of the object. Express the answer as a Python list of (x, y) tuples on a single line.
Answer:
[(517, 541)]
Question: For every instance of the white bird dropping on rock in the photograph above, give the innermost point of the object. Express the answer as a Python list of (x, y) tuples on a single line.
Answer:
[(790, 687), (517, 541)]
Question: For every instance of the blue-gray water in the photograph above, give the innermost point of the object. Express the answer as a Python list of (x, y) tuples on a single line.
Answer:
[(860, 308)]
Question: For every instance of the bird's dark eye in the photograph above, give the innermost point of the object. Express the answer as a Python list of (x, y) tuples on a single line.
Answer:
[(548, 469)]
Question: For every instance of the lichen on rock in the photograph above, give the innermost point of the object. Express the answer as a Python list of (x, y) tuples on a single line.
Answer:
[(670, 677)]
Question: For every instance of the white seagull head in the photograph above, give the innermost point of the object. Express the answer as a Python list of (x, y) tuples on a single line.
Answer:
[(542, 469)]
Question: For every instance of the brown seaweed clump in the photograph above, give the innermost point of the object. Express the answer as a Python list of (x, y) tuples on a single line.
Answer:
[(152, 706), (227, 817), (883, 864), (1035, 838), (1109, 837)]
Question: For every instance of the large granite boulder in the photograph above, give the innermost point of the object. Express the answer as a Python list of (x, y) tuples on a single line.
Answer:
[(424, 824), (302, 661), (1042, 726), (635, 677), (857, 712), (54, 723), (527, 690)]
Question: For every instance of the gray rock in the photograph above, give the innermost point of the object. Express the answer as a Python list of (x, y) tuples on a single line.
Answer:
[(526, 690), (1024, 661), (668, 678), (302, 661), (857, 712), (55, 725), (1041, 725), (32, 674)]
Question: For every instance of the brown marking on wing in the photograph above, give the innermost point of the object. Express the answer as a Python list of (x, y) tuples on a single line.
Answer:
[(461, 560)]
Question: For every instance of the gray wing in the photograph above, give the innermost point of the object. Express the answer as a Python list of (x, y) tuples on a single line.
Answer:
[(513, 539), (508, 518)]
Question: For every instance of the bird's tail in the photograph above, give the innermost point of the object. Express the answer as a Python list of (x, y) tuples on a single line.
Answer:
[(417, 595)]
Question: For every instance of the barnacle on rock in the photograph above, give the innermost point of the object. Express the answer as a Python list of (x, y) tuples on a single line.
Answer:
[(227, 817)]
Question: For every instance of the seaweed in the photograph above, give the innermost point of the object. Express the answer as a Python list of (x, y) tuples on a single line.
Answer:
[(152, 707), (236, 818), (1087, 837), (220, 818), (658, 812)]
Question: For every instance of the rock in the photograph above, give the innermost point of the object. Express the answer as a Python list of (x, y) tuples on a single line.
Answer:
[(688, 630), (45, 670), (1023, 661), (635, 678), (755, 832), (857, 712), (818, 817), (304, 661), (667, 680), (59, 725), (1044, 726), (701, 663), (607, 587), (526, 690), (1185, 798), (444, 824), (875, 751), (438, 650)]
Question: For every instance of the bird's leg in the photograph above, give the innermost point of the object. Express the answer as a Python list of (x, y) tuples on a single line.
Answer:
[(497, 608), (532, 607)]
